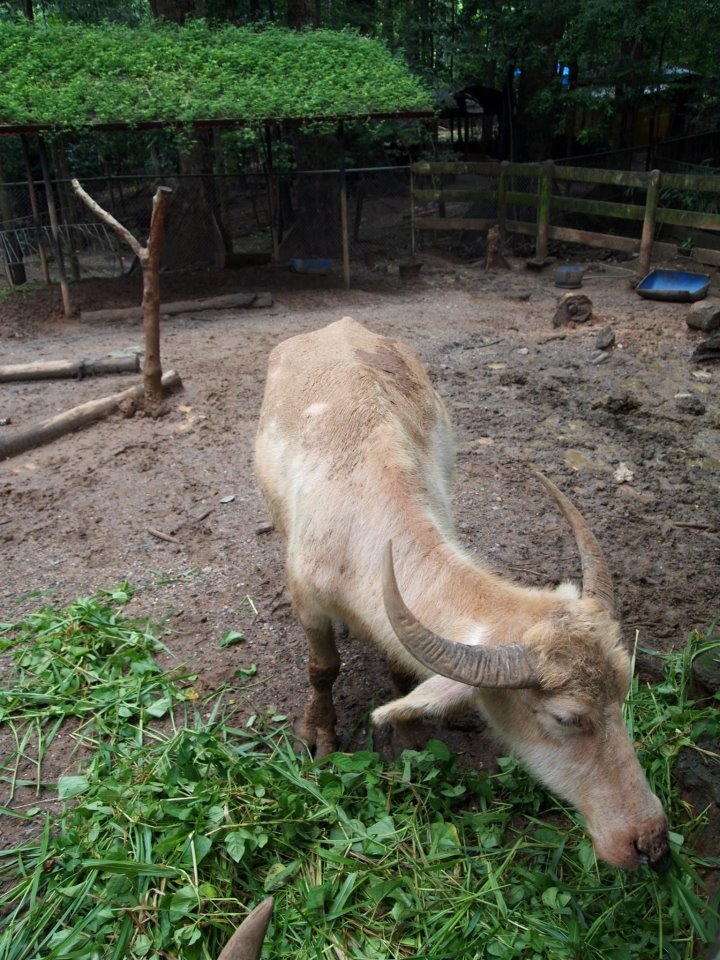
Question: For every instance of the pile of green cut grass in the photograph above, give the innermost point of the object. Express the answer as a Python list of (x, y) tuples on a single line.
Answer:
[(181, 819)]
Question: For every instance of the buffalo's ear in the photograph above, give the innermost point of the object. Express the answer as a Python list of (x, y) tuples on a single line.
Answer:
[(435, 697)]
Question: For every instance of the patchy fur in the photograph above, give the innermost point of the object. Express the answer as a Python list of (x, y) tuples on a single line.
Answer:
[(354, 448)]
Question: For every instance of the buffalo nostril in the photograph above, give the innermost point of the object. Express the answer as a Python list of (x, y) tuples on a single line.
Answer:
[(643, 858), (660, 863)]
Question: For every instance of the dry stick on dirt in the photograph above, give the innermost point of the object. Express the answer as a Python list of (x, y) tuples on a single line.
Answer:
[(149, 257), (53, 427), (49, 369)]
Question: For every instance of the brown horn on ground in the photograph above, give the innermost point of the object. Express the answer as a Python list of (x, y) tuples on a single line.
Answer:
[(597, 581), (247, 941), (478, 666)]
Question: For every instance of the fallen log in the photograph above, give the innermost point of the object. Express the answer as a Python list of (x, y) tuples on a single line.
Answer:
[(47, 430), (49, 369), (227, 301)]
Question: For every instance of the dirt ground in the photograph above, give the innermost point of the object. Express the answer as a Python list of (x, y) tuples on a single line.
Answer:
[(634, 439)]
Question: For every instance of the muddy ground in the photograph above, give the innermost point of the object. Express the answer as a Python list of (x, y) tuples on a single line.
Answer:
[(634, 439)]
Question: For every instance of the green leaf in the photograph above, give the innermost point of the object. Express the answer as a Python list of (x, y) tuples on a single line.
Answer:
[(236, 844), (72, 786), (231, 638), (182, 903), (159, 707)]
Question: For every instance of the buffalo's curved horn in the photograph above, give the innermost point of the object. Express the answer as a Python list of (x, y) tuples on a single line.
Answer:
[(496, 666), (595, 573), (247, 941)]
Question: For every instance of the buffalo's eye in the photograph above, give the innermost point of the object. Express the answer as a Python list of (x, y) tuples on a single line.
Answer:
[(571, 721)]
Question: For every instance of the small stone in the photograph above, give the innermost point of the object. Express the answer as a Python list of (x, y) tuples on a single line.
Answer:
[(689, 403), (572, 308), (706, 671), (704, 316), (605, 338), (623, 474), (622, 403)]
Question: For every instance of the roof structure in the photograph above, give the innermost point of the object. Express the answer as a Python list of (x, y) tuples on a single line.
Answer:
[(60, 76)]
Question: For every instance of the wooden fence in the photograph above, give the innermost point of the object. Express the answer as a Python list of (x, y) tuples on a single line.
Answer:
[(551, 200)]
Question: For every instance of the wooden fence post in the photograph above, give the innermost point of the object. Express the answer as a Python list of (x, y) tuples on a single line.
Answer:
[(412, 211), (543, 215), (648, 229), (502, 189)]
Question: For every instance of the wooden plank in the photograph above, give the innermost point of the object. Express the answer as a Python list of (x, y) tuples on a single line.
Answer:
[(227, 301), (705, 255), (704, 183), (591, 239), (610, 241), (453, 223), (453, 196), (689, 218), (602, 208), (620, 178), (426, 168)]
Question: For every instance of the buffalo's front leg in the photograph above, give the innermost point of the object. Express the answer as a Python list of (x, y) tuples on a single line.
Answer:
[(318, 727)]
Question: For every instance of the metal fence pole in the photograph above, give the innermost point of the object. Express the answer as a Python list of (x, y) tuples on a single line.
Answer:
[(345, 239)]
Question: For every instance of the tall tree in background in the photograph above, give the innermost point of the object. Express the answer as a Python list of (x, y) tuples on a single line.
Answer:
[(315, 230), (196, 236)]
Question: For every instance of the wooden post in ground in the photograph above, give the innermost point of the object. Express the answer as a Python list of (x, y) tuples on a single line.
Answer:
[(648, 230), (502, 190), (55, 228), (149, 257), (543, 214)]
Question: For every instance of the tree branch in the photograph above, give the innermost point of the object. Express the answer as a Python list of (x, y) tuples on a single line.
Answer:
[(109, 219)]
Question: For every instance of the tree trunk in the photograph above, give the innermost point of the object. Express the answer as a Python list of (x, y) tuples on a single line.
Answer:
[(316, 230), (68, 208), (176, 10), (303, 13), (149, 257), (195, 238), (150, 263)]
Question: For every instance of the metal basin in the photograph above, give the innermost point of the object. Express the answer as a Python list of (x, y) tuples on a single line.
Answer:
[(569, 275)]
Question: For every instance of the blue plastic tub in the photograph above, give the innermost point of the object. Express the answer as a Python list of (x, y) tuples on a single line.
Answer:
[(677, 285), (310, 266)]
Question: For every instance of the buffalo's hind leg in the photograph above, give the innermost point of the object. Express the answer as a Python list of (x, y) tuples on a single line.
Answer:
[(318, 727)]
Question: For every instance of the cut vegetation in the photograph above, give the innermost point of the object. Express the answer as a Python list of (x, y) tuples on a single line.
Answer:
[(187, 812)]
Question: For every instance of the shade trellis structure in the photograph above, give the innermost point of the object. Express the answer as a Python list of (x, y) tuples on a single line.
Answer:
[(59, 79), (61, 76)]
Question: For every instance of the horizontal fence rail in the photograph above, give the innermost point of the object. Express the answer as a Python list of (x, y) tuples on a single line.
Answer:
[(531, 198)]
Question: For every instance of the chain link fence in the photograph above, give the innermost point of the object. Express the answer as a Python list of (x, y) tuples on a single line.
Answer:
[(217, 220)]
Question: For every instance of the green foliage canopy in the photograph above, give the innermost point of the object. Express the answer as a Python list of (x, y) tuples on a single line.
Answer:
[(70, 76)]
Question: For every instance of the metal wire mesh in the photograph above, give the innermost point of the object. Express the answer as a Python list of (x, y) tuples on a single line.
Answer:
[(254, 215)]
